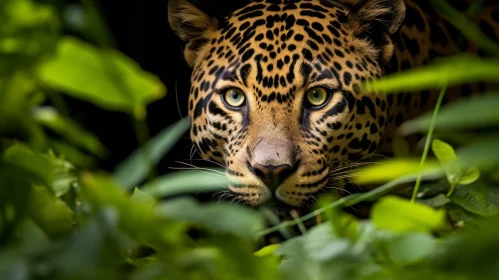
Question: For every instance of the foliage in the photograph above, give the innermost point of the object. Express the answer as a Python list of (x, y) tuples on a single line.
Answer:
[(62, 219)]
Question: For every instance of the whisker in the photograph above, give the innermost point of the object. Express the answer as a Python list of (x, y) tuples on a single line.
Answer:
[(204, 168), (211, 172), (176, 98), (211, 161)]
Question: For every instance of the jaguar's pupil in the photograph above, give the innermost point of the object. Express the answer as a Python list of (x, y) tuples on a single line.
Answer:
[(235, 95), (315, 94)]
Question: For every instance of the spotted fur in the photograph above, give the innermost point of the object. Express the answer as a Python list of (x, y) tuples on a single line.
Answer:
[(274, 51)]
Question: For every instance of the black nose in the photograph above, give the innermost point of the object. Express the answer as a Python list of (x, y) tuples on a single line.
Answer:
[(272, 175)]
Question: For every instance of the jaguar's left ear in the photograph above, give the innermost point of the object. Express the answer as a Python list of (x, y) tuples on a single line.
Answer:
[(376, 20), (192, 25)]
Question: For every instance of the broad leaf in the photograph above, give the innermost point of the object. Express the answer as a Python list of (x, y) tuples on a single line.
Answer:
[(137, 166), (138, 219), (456, 174), (444, 72), (51, 171), (76, 134), (104, 77), (240, 221), (482, 153), (388, 170), (400, 215), (411, 248), (476, 199), (267, 250), (183, 182), (480, 111), (50, 213)]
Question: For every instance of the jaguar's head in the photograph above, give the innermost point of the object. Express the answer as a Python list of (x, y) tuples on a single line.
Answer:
[(275, 93)]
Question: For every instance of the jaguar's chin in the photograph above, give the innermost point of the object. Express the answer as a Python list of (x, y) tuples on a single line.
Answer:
[(261, 196)]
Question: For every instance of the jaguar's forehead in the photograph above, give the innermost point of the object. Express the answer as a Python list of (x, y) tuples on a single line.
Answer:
[(275, 44), (276, 28)]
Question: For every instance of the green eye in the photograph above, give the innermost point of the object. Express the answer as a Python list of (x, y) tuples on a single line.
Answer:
[(316, 96), (234, 97)]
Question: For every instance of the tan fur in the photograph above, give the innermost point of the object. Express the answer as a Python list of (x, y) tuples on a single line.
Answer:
[(189, 23)]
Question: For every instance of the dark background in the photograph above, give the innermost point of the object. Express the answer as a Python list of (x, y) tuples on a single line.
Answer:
[(140, 30)]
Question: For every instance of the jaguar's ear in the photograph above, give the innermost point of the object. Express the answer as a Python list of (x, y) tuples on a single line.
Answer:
[(191, 25), (376, 20)]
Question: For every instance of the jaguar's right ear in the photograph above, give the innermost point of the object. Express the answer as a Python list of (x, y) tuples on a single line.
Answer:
[(191, 25)]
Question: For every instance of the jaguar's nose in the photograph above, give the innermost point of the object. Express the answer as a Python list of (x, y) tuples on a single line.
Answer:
[(271, 175)]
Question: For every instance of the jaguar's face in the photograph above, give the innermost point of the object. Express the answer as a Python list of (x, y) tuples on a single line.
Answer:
[(275, 95)]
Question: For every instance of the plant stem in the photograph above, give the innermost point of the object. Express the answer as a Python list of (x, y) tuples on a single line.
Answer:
[(428, 141), (300, 224)]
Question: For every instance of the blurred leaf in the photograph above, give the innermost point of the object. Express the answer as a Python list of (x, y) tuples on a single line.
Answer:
[(444, 72), (95, 24), (476, 199), (93, 250), (21, 14), (460, 217), (411, 248), (15, 110), (469, 29), (437, 201), (183, 182), (482, 153), (143, 197), (72, 154), (50, 118), (138, 219), (400, 215), (480, 111), (136, 166), (50, 213), (34, 163), (240, 221), (392, 169), (104, 77), (267, 250), (53, 172)]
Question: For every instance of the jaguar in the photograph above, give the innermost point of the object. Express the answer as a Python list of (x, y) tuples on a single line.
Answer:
[(276, 86)]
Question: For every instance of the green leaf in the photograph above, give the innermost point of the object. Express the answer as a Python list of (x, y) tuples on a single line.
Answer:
[(388, 170), (437, 201), (50, 118), (223, 217), (445, 72), (182, 182), (480, 111), (446, 155), (136, 167), (22, 14), (51, 171), (411, 248), (138, 219), (50, 213), (22, 157), (143, 197), (400, 215), (267, 250), (456, 173), (470, 176), (476, 199), (104, 77), (460, 217)]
